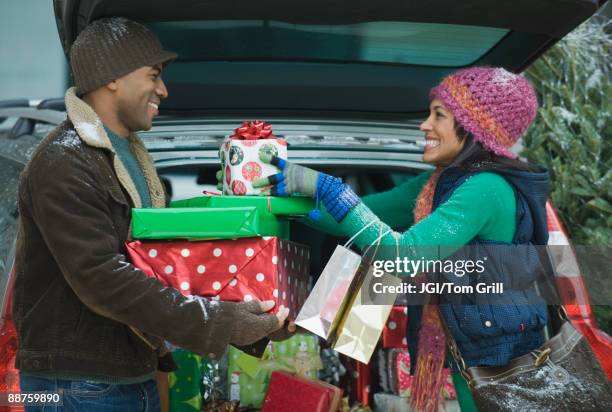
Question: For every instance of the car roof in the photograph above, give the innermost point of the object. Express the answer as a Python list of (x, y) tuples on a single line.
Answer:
[(332, 58)]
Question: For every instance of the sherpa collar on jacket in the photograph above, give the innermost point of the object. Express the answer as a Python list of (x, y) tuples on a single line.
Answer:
[(91, 131)]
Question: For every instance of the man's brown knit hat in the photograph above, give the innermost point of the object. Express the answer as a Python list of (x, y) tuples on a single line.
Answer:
[(110, 48)]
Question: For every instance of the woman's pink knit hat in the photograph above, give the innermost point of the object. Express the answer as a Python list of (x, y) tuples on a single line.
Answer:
[(494, 105)]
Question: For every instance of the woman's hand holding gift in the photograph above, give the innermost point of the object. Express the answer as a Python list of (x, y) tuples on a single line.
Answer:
[(337, 197), (292, 178)]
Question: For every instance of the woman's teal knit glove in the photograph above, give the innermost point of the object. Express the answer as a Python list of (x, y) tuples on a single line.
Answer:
[(293, 178), (337, 197)]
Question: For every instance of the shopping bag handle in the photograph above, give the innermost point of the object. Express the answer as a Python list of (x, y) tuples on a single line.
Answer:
[(350, 241), (376, 242)]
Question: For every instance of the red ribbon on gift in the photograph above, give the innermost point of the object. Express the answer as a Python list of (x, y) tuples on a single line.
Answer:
[(253, 130)]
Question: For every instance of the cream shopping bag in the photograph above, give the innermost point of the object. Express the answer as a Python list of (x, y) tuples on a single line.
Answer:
[(337, 309)]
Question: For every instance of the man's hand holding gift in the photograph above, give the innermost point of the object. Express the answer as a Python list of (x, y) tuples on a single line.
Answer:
[(252, 322), (284, 333)]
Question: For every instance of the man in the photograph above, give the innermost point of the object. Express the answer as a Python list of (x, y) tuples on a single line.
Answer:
[(90, 324)]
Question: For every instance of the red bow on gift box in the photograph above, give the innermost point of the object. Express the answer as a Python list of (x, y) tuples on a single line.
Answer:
[(253, 131)]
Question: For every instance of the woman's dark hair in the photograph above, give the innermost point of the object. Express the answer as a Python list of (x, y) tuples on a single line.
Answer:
[(475, 157)]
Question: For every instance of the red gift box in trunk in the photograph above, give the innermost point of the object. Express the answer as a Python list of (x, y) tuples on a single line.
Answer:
[(394, 333), (297, 394), (257, 268), (356, 382)]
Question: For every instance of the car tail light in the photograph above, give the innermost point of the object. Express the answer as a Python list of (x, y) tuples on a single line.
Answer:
[(9, 376), (574, 293)]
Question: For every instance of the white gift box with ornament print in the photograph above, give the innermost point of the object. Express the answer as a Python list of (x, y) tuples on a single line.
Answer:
[(241, 164)]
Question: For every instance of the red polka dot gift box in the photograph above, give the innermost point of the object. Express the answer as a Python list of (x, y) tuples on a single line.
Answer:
[(256, 268), (240, 161), (394, 333)]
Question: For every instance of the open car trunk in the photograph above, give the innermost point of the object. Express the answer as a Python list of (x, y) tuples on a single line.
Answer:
[(343, 59)]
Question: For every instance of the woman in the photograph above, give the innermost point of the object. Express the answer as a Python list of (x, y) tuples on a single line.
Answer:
[(478, 195)]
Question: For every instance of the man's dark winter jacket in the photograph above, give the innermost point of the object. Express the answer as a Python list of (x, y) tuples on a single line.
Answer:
[(79, 307)]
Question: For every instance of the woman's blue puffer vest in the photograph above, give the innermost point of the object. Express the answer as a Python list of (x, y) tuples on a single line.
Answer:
[(490, 330)]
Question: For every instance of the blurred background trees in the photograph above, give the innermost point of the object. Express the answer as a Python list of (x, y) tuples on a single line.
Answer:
[(572, 138)]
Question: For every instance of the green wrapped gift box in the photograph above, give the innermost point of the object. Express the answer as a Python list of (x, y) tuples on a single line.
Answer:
[(280, 206), (205, 223), (299, 354), (196, 381), (185, 382), (248, 376)]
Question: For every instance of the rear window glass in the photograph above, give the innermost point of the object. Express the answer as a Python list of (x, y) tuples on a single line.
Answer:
[(426, 44)]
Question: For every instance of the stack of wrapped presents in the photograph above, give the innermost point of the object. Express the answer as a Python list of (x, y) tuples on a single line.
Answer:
[(236, 246)]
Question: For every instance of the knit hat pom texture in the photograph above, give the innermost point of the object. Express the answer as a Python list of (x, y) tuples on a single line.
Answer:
[(493, 104)]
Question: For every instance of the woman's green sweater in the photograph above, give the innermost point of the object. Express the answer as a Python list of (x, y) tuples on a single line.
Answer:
[(484, 206)]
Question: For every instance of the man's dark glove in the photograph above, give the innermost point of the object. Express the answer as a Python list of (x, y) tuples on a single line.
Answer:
[(284, 333), (252, 323)]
